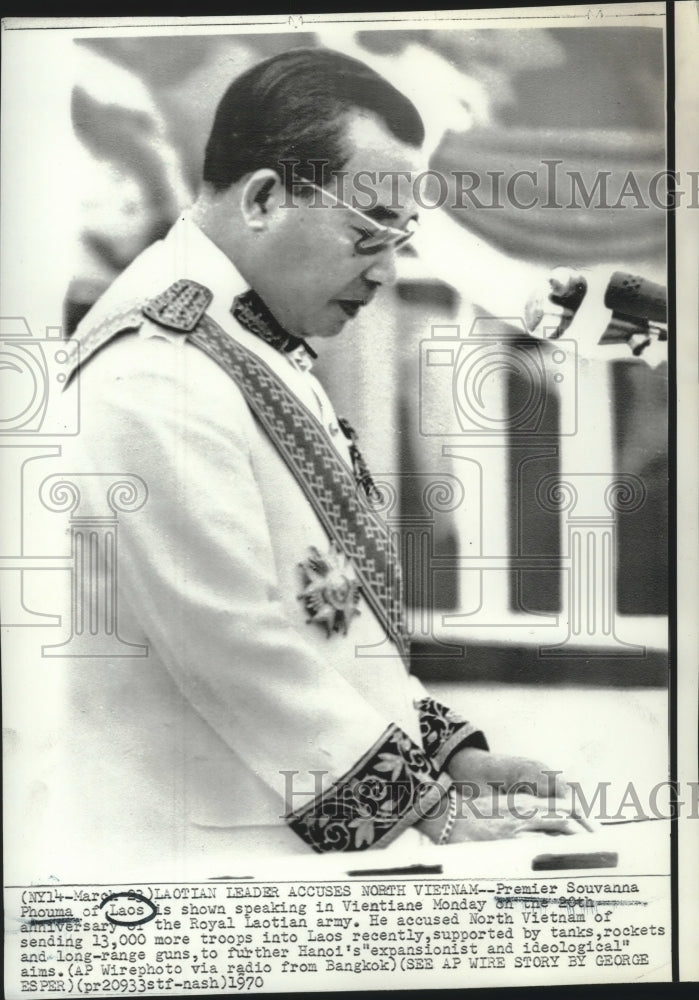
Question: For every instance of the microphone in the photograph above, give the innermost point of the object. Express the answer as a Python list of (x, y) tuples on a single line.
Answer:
[(639, 311), (631, 295), (565, 289)]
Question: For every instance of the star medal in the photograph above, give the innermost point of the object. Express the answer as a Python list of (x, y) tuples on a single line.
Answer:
[(331, 591)]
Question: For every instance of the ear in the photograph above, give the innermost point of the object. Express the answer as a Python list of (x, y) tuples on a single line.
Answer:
[(257, 198)]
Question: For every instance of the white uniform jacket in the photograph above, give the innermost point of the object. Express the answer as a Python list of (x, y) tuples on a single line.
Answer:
[(245, 713)]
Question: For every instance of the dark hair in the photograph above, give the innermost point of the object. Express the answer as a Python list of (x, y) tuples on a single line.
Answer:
[(292, 107)]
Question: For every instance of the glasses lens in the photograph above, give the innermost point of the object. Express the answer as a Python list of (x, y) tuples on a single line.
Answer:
[(373, 242)]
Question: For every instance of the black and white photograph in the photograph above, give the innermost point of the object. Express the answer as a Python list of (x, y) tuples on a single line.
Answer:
[(348, 537)]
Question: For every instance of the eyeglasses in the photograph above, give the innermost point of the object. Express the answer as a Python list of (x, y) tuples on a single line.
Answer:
[(373, 235)]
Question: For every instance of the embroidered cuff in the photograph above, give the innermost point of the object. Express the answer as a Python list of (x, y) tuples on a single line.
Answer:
[(444, 731), (391, 787)]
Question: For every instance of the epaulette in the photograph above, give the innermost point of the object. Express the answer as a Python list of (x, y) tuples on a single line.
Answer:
[(179, 307)]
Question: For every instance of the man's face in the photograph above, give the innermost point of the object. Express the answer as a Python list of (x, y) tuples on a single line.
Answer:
[(310, 273)]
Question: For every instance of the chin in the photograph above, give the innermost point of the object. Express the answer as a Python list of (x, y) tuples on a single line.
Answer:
[(335, 332), (328, 329)]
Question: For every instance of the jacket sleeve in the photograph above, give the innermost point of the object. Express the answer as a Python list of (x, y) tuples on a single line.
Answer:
[(443, 730), (199, 568)]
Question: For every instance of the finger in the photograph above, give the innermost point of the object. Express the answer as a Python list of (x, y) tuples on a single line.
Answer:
[(564, 803), (530, 808), (546, 823), (585, 823)]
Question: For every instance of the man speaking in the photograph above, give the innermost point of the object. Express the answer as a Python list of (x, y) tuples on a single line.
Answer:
[(275, 709)]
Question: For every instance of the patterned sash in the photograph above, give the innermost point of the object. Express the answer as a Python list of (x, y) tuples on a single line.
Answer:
[(339, 502)]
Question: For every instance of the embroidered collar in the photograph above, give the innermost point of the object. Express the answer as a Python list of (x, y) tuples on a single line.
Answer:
[(253, 314)]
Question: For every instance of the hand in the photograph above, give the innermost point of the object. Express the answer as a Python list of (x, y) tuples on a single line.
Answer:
[(497, 817), (492, 816), (506, 774)]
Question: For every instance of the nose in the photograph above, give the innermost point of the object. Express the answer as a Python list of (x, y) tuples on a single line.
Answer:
[(382, 269)]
